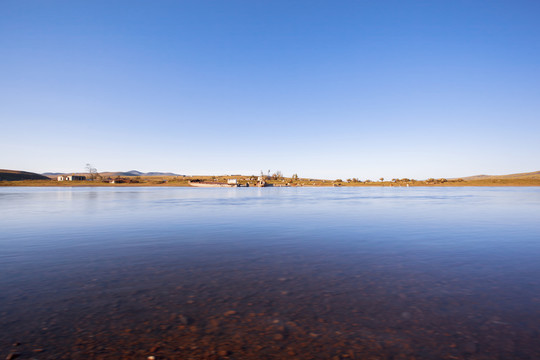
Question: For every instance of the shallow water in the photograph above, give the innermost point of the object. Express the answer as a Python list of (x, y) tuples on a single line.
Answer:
[(271, 273)]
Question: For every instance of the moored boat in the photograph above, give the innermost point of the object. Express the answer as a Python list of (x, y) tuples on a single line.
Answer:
[(211, 184)]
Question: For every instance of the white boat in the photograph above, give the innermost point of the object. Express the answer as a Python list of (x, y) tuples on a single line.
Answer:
[(211, 184)]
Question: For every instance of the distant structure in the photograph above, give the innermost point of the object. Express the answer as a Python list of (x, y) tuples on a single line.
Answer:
[(261, 181), (71, 177)]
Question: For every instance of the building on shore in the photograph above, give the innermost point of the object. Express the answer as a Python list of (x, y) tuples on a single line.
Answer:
[(71, 177)]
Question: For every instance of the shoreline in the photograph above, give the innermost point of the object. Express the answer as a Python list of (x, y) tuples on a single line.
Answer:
[(473, 183)]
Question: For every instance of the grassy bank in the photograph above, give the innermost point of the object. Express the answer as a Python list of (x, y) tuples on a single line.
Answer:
[(184, 181)]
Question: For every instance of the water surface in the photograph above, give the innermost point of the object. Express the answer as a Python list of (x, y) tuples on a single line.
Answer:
[(271, 273)]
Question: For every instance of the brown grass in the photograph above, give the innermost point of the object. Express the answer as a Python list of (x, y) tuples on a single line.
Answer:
[(173, 181)]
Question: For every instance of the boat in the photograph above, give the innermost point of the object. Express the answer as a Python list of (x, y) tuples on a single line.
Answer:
[(261, 182), (198, 183)]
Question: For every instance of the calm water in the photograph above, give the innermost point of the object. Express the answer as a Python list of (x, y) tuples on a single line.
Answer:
[(272, 273)]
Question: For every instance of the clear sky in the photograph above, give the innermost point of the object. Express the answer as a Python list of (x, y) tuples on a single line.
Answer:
[(331, 89)]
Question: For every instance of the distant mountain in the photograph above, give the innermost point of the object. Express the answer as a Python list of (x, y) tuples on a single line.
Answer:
[(136, 173), (160, 174), (16, 175), (117, 173), (133, 173), (122, 173), (529, 175)]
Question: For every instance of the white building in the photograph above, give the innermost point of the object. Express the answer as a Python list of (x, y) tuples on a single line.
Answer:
[(71, 177)]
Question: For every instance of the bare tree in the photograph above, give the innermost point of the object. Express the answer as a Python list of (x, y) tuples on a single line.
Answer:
[(92, 172), (278, 175)]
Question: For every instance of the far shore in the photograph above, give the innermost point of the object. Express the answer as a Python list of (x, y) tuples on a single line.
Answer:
[(286, 182)]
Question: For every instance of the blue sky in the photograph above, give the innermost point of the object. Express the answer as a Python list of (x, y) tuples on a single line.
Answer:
[(330, 89)]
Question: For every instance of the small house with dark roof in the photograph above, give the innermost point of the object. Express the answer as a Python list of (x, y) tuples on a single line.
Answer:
[(71, 177)]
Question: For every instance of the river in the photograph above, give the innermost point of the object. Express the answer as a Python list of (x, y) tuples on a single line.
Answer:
[(270, 273)]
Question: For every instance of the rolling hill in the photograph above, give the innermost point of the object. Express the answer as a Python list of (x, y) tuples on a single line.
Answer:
[(16, 175), (528, 175), (136, 173), (117, 173)]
